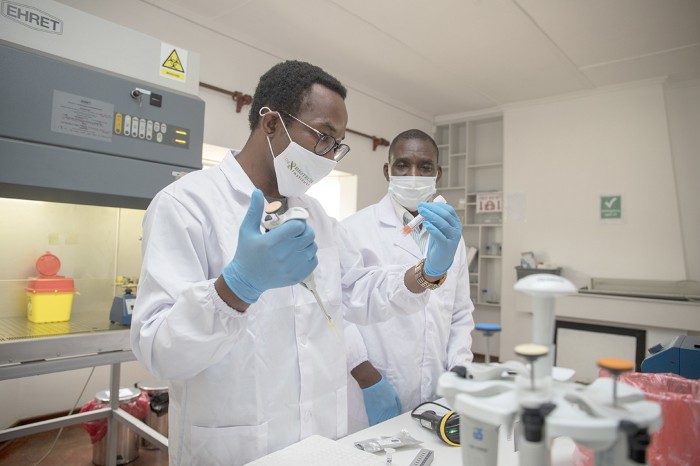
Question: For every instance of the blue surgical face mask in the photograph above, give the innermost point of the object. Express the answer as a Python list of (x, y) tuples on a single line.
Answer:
[(409, 191)]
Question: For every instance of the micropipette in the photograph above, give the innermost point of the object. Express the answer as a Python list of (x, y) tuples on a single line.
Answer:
[(418, 219), (273, 220), (310, 284)]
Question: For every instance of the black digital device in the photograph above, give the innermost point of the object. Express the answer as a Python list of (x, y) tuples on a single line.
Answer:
[(445, 426)]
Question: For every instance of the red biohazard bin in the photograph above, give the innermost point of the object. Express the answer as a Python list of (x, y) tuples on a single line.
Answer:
[(677, 443)]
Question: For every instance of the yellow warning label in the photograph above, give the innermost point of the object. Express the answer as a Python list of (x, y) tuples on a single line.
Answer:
[(173, 62)]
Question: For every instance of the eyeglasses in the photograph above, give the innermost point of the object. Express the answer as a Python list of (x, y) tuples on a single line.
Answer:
[(326, 143)]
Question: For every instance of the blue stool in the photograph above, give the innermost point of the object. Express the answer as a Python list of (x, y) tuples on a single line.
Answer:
[(488, 330)]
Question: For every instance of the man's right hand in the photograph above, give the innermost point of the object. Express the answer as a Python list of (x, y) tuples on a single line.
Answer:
[(281, 257)]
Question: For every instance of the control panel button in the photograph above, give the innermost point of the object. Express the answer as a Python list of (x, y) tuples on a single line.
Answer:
[(118, 123), (127, 125)]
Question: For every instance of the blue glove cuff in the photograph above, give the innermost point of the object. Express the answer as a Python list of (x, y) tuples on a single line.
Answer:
[(238, 284), (376, 387), (432, 272)]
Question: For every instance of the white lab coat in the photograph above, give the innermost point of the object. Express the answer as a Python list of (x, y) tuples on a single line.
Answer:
[(410, 352), (243, 385)]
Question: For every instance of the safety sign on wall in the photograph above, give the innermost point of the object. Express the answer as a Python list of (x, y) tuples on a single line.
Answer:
[(611, 207), (489, 202), (173, 62)]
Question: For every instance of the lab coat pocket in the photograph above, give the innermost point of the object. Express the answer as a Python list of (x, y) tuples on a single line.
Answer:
[(228, 445), (342, 412)]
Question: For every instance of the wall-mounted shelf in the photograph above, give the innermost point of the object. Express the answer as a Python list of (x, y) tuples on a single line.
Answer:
[(471, 157)]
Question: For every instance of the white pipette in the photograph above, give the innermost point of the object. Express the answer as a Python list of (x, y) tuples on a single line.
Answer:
[(273, 220)]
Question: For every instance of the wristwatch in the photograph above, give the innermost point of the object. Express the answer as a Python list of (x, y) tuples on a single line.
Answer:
[(420, 278)]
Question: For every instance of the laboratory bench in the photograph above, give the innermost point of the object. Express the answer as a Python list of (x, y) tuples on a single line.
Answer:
[(446, 455), (28, 349), (319, 451), (87, 340)]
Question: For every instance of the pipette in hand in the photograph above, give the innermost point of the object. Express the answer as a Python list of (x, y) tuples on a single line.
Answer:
[(310, 284), (418, 219), (273, 220)]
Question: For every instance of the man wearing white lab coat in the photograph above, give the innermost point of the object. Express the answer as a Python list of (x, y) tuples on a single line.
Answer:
[(252, 362), (407, 353)]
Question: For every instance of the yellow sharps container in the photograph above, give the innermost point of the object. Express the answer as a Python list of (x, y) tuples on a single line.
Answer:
[(49, 296)]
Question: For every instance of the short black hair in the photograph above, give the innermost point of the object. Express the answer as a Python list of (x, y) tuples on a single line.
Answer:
[(413, 134), (284, 86)]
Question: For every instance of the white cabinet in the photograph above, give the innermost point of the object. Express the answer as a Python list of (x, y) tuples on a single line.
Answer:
[(471, 157)]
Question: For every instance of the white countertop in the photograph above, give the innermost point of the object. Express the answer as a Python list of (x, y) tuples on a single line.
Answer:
[(446, 455), (320, 451)]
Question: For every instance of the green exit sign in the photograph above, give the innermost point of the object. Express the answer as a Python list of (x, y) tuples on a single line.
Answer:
[(610, 207)]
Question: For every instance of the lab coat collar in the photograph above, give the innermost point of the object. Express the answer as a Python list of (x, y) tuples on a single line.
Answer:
[(392, 224), (235, 175), (240, 181)]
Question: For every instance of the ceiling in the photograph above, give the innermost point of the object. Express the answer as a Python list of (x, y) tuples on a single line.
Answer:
[(438, 57)]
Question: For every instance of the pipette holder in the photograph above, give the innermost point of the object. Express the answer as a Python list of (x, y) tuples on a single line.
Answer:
[(488, 396), (586, 414)]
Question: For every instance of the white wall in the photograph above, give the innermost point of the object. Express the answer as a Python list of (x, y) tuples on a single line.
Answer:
[(683, 106), (560, 155)]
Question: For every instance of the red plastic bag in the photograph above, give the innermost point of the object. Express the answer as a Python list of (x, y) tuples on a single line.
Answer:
[(97, 429), (677, 443)]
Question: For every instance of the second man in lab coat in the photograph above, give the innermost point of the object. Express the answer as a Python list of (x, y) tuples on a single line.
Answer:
[(395, 364)]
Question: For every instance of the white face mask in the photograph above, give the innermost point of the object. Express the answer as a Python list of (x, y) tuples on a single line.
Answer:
[(296, 168), (408, 191)]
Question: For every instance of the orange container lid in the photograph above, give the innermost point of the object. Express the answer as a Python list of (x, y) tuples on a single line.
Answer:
[(48, 282)]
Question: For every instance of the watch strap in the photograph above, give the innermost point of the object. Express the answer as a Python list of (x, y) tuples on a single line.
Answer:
[(420, 277)]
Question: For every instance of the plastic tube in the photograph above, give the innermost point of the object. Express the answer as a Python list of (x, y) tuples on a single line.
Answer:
[(418, 219)]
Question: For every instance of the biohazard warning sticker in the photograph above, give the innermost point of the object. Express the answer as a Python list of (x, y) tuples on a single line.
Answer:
[(173, 62)]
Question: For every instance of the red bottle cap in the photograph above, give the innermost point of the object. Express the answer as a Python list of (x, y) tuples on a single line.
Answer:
[(48, 265)]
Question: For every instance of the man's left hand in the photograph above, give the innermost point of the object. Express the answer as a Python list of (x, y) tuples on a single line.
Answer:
[(381, 402), (445, 231)]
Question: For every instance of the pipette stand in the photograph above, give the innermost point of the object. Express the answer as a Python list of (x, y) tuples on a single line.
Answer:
[(494, 395)]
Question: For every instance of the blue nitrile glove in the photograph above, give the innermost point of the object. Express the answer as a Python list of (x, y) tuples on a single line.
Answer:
[(381, 402), (445, 231), (281, 257)]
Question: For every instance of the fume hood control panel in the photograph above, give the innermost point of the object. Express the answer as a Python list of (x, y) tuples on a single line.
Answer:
[(57, 102), (70, 128)]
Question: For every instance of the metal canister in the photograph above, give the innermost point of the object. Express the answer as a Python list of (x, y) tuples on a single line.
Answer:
[(127, 439), (157, 417)]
